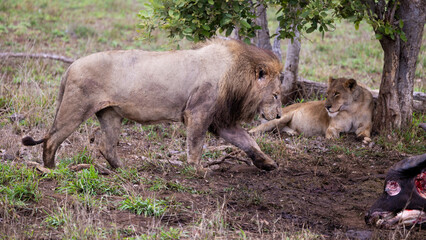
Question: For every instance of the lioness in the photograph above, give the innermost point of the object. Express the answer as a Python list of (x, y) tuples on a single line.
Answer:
[(213, 87), (348, 108)]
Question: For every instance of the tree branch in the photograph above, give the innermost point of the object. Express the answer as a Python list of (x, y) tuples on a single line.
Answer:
[(37, 55), (371, 7), (390, 14)]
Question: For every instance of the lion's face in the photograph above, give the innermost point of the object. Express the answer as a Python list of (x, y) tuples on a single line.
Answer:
[(270, 107), (339, 95)]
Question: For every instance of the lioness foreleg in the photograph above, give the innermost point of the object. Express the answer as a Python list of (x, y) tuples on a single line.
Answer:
[(240, 138), (363, 132), (110, 123), (332, 133), (267, 126)]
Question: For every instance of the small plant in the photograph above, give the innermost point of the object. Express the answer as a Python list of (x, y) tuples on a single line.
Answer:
[(171, 234), (25, 191), (56, 219), (147, 207), (130, 174), (88, 182), (19, 185), (83, 157), (189, 171)]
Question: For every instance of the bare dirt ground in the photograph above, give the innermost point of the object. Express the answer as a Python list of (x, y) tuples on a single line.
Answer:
[(323, 186)]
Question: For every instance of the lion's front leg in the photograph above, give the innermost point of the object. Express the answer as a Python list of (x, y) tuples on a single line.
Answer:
[(363, 132), (332, 133), (240, 138)]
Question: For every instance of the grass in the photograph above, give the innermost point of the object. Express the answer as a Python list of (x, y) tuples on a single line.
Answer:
[(88, 181), (18, 186), (145, 206)]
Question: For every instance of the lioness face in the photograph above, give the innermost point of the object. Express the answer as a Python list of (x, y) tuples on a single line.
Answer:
[(339, 95), (270, 107)]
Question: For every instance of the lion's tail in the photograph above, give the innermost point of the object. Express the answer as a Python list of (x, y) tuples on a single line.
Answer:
[(29, 141)]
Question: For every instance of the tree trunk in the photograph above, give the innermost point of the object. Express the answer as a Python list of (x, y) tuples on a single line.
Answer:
[(276, 47), (395, 100), (288, 86), (262, 38)]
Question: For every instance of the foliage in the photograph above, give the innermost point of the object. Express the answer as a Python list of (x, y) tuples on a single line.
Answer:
[(172, 233), (19, 184), (148, 206), (200, 19), (88, 182)]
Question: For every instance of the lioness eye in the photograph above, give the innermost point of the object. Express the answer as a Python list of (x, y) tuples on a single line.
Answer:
[(336, 94), (275, 96)]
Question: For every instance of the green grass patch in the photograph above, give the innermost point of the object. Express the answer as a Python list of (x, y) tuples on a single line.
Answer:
[(88, 181), (19, 184), (147, 206), (163, 234)]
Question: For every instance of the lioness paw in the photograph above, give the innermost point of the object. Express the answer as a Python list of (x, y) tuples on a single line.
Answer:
[(366, 140)]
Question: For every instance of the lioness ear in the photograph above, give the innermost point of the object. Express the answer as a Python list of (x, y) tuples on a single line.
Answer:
[(330, 80), (350, 83)]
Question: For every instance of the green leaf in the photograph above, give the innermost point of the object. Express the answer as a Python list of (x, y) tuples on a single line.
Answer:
[(311, 29), (379, 36), (211, 2), (245, 23), (305, 13), (357, 25), (247, 40), (401, 23), (403, 37), (388, 30), (187, 31), (228, 31), (206, 27)]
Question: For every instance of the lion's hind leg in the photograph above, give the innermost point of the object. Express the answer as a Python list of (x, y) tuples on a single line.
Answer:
[(67, 119), (110, 122)]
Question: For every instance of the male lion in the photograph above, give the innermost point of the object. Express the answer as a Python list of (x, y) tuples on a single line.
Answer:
[(348, 108), (212, 88)]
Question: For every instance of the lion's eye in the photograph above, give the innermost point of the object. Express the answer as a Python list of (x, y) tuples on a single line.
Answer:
[(261, 74), (336, 94), (275, 96)]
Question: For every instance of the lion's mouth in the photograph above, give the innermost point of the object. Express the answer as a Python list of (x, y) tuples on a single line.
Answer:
[(391, 220), (332, 113), (267, 118)]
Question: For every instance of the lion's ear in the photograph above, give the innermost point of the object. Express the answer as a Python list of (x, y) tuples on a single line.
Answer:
[(330, 80), (350, 83)]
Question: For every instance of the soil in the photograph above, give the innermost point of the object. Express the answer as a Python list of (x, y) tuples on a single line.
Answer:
[(321, 185)]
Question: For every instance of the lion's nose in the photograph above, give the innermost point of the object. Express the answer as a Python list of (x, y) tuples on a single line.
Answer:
[(278, 115), (328, 107)]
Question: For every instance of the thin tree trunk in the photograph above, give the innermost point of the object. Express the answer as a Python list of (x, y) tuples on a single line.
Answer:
[(262, 39), (395, 101), (288, 86), (276, 47)]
